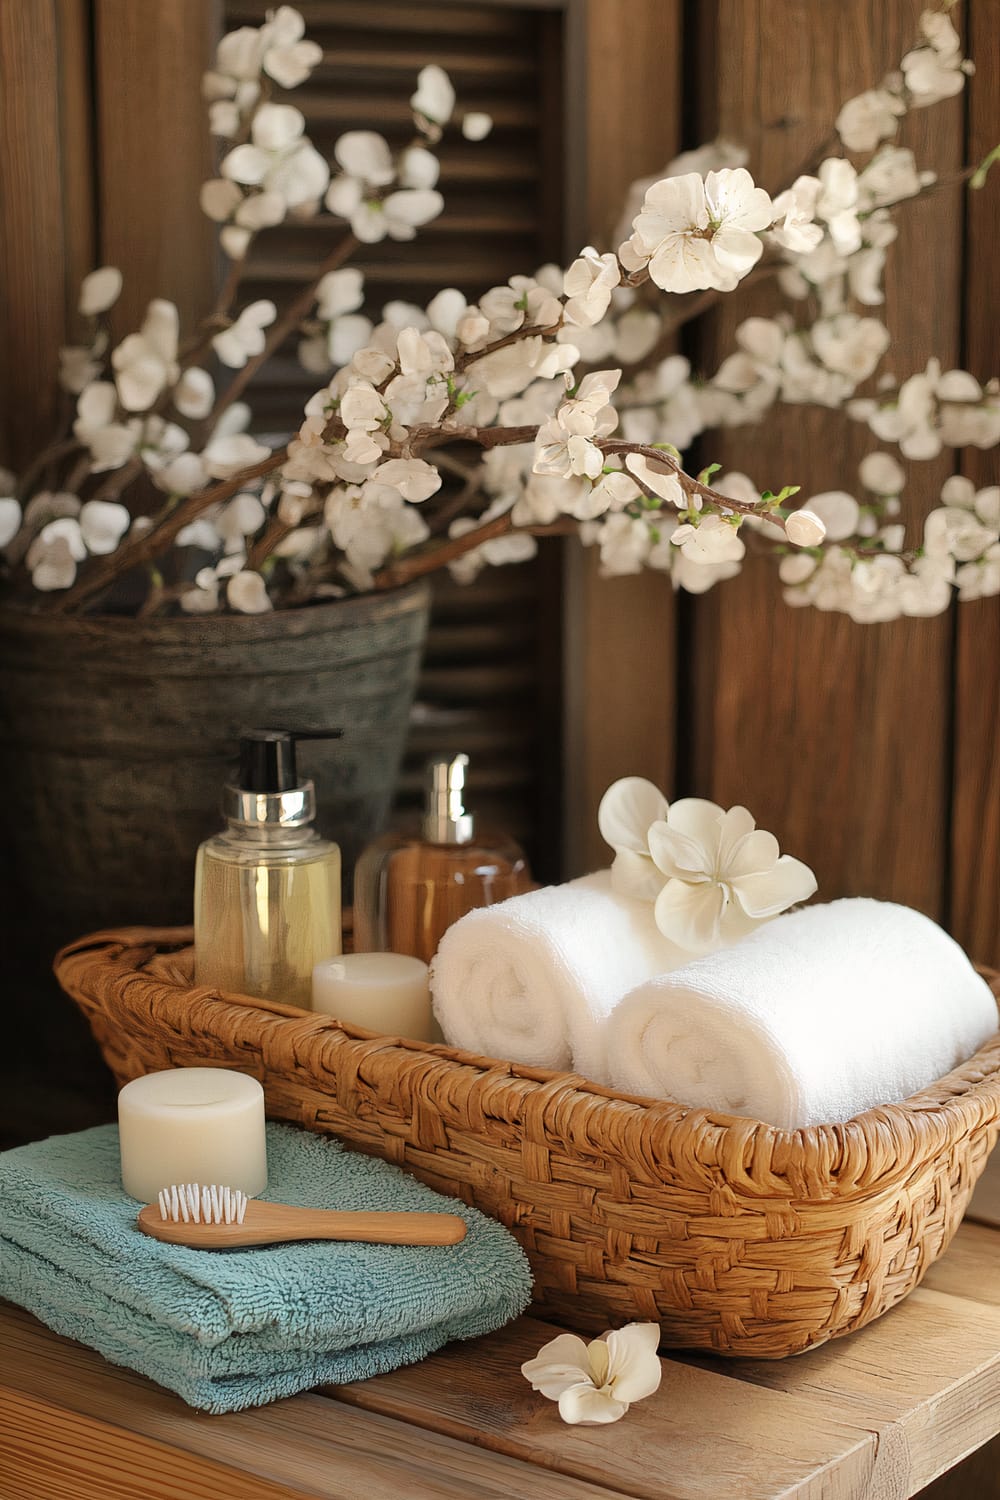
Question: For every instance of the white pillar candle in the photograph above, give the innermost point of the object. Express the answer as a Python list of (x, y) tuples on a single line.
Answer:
[(192, 1125), (384, 992)]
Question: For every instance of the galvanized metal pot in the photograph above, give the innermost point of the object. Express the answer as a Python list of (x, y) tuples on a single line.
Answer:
[(116, 736)]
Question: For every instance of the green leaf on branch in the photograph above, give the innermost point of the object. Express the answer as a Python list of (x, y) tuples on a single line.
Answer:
[(463, 398), (668, 448), (706, 474), (978, 178)]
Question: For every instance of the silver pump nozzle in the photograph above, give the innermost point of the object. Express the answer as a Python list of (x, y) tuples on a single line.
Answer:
[(445, 818)]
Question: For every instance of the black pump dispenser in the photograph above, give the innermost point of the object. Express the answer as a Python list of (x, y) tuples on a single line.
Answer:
[(267, 757)]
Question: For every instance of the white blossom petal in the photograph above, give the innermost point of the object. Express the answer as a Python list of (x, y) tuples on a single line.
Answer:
[(100, 290), (10, 519), (247, 593), (194, 393), (627, 810), (103, 523)]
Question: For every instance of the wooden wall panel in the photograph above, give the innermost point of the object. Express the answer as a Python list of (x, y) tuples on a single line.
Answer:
[(619, 633), (154, 151), (33, 243), (836, 735), (975, 846)]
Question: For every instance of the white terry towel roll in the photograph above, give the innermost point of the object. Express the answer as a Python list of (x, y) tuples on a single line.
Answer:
[(530, 979), (813, 1018)]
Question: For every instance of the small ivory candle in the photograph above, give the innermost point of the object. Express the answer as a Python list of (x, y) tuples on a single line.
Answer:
[(192, 1125), (384, 992)]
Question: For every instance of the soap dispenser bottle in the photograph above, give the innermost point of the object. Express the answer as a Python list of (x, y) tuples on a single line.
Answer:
[(410, 887), (267, 889)]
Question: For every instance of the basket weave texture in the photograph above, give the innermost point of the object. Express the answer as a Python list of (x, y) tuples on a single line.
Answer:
[(737, 1237)]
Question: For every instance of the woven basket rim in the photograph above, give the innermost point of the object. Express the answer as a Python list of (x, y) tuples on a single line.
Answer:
[(868, 1150)]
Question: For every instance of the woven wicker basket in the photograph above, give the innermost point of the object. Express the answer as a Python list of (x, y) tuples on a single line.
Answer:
[(736, 1237)]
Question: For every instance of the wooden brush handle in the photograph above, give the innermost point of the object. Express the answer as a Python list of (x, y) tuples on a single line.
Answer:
[(274, 1223)]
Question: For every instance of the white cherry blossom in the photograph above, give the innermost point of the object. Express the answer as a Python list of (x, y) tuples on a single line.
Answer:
[(146, 362), (476, 125), (837, 204), (805, 527), (102, 524), (111, 442), (881, 474), (245, 337), (194, 393), (227, 454), (794, 214), (597, 1382), (869, 118), (279, 157), (838, 514), (588, 285), (702, 232), (414, 478), (711, 540), (100, 290), (434, 99), (246, 592), (10, 519)]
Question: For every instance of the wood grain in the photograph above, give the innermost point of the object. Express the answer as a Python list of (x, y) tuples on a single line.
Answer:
[(154, 152), (975, 834), (619, 634), (702, 1436), (836, 735), (304, 1445), (49, 1453), (926, 1375), (32, 309)]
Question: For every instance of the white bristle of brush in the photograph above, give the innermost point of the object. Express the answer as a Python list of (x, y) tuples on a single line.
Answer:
[(194, 1203)]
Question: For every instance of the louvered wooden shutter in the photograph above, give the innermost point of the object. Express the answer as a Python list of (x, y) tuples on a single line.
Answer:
[(490, 684)]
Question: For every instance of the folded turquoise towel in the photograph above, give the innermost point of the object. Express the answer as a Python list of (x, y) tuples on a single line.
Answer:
[(230, 1329)]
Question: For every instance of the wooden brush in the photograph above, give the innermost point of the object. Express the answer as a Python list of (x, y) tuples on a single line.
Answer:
[(222, 1218)]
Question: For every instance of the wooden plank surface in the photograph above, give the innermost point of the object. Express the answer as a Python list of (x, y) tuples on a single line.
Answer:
[(32, 310), (49, 1453), (305, 1446), (619, 635), (835, 735), (975, 842), (154, 152), (702, 1436), (878, 1415)]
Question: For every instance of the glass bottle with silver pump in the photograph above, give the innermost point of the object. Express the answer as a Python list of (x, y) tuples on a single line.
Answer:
[(267, 889), (409, 887)]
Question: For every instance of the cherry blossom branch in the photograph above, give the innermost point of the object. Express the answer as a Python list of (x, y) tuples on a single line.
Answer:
[(145, 548), (696, 488), (419, 564), (526, 331), (280, 330)]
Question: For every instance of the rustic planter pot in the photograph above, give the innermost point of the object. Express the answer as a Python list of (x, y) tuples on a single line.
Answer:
[(117, 734)]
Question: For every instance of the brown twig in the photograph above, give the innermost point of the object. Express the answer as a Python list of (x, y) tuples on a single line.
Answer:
[(419, 564), (144, 549), (280, 330)]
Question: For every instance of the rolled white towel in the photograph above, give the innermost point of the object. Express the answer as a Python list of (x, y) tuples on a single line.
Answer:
[(530, 979), (817, 1016)]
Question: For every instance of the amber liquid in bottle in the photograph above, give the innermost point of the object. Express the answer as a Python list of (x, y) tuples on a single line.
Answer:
[(408, 892)]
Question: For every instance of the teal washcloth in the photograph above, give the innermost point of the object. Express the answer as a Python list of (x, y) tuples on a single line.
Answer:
[(230, 1329)]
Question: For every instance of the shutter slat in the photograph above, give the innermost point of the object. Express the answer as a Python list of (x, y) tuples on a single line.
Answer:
[(485, 651)]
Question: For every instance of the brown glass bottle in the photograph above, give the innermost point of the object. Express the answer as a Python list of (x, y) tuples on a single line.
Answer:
[(410, 887)]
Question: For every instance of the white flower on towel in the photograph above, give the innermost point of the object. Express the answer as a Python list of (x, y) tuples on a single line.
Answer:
[(723, 875), (628, 809), (597, 1382)]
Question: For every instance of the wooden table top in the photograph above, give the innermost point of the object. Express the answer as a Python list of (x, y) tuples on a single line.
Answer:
[(875, 1416)]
